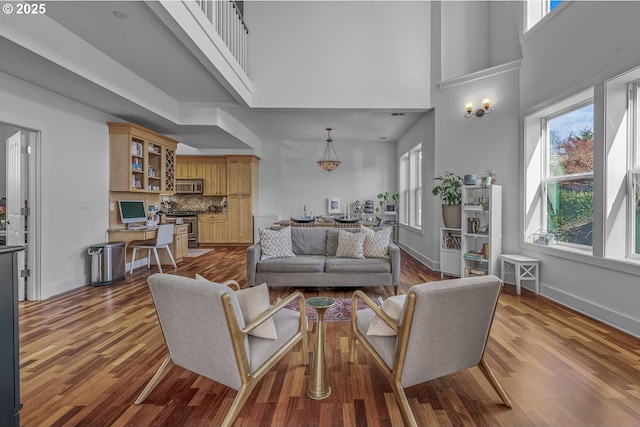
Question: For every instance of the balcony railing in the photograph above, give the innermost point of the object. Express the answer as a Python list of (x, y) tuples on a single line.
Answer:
[(226, 17)]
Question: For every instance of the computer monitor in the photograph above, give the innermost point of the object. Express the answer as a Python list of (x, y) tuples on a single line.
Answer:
[(132, 211)]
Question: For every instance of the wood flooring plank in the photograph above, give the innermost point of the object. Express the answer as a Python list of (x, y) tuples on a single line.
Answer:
[(87, 354)]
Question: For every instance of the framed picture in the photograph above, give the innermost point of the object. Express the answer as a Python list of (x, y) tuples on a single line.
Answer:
[(333, 205)]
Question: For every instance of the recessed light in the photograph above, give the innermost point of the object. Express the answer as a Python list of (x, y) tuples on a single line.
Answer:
[(397, 114), (119, 14), (383, 138)]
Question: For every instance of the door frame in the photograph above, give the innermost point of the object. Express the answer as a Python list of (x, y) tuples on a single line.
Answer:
[(34, 238)]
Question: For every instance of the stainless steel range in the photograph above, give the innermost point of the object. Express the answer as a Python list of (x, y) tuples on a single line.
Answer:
[(190, 218)]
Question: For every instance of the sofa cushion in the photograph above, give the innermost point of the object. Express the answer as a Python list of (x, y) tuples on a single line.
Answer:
[(309, 241), (276, 243), (357, 265), (332, 239), (376, 243), (297, 264), (350, 245)]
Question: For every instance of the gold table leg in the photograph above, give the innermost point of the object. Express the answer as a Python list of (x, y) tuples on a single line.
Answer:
[(319, 381)]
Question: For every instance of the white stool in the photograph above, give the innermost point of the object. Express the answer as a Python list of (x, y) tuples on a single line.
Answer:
[(525, 268)]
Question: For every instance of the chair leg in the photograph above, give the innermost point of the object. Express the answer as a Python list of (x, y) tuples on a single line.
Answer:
[(305, 349), (494, 382), (403, 403), (171, 257), (352, 347), (155, 253), (238, 403), (155, 380), (133, 259), (148, 259)]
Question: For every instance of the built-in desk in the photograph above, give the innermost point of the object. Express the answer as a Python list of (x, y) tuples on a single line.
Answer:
[(178, 248)]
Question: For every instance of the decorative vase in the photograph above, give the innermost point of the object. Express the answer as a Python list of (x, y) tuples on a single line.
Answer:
[(391, 208), (451, 215)]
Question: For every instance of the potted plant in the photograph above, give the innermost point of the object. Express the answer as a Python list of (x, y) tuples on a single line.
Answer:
[(489, 176), (449, 189), (385, 201)]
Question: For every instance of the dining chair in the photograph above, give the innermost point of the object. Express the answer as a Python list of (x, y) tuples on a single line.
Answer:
[(301, 223)]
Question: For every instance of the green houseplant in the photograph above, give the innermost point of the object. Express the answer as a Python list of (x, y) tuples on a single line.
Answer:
[(385, 201), (449, 188)]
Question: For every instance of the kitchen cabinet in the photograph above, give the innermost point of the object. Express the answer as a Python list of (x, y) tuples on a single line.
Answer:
[(215, 178), (192, 170), (212, 228), (242, 175), (140, 160), (240, 216)]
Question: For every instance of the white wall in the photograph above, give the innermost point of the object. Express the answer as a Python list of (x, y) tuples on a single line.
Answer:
[(74, 168), (343, 54), (290, 177), (584, 44)]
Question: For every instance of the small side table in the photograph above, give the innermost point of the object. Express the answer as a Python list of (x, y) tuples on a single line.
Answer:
[(525, 268), (319, 381)]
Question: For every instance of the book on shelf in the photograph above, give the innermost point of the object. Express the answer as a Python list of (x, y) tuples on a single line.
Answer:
[(475, 255), (474, 272), (451, 241)]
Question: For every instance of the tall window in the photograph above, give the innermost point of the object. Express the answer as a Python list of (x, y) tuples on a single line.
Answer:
[(411, 187), (538, 9), (568, 183), (634, 177)]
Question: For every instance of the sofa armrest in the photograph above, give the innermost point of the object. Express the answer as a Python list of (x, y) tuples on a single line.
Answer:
[(254, 252), (394, 256)]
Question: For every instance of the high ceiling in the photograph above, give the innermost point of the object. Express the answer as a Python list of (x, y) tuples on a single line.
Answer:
[(151, 51)]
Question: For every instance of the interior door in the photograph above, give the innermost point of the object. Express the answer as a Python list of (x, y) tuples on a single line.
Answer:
[(17, 208)]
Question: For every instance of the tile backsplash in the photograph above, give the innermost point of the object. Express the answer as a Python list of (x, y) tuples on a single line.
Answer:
[(195, 202)]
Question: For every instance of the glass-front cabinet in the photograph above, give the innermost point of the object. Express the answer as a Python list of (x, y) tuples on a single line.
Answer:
[(140, 160)]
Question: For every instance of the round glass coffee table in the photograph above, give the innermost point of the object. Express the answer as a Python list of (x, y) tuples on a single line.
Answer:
[(319, 381)]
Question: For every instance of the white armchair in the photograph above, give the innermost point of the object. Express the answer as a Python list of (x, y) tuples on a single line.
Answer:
[(443, 328), (205, 333)]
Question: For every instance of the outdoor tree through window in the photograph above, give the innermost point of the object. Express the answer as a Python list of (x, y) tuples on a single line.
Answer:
[(569, 180)]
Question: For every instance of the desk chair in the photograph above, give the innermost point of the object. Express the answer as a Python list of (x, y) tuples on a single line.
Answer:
[(163, 239)]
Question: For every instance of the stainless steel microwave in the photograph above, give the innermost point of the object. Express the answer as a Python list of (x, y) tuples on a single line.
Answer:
[(188, 186)]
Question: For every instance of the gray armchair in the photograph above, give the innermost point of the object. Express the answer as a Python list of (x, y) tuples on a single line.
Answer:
[(443, 329), (205, 333)]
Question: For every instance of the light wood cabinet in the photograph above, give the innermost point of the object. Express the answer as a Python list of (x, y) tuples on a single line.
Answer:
[(240, 172), (240, 219), (180, 242), (215, 178), (193, 170), (212, 228), (140, 160)]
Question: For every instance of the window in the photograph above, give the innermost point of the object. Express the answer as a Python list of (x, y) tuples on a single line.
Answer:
[(537, 9), (559, 172), (634, 175), (411, 187), (569, 175)]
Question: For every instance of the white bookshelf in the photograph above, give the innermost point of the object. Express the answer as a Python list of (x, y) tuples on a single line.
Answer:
[(450, 243), (481, 230)]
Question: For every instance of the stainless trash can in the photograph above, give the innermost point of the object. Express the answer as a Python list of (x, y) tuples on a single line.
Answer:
[(107, 263)]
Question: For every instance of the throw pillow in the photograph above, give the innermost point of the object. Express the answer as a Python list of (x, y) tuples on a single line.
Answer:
[(350, 245), (253, 302), (376, 243), (392, 306), (275, 243)]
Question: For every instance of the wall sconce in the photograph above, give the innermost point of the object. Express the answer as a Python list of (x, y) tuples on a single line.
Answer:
[(486, 103)]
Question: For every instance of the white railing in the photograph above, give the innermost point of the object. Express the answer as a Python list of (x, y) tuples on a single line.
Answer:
[(228, 23)]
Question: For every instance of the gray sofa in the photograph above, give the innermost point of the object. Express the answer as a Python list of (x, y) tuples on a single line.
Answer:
[(316, 265)]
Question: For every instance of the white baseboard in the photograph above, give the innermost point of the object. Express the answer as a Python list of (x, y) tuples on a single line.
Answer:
[(602, 314), (435, 266)]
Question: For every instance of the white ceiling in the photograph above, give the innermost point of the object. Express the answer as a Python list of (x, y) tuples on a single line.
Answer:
[(153, 52)]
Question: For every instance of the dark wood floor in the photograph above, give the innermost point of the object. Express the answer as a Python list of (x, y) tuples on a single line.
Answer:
[(86, 355)]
